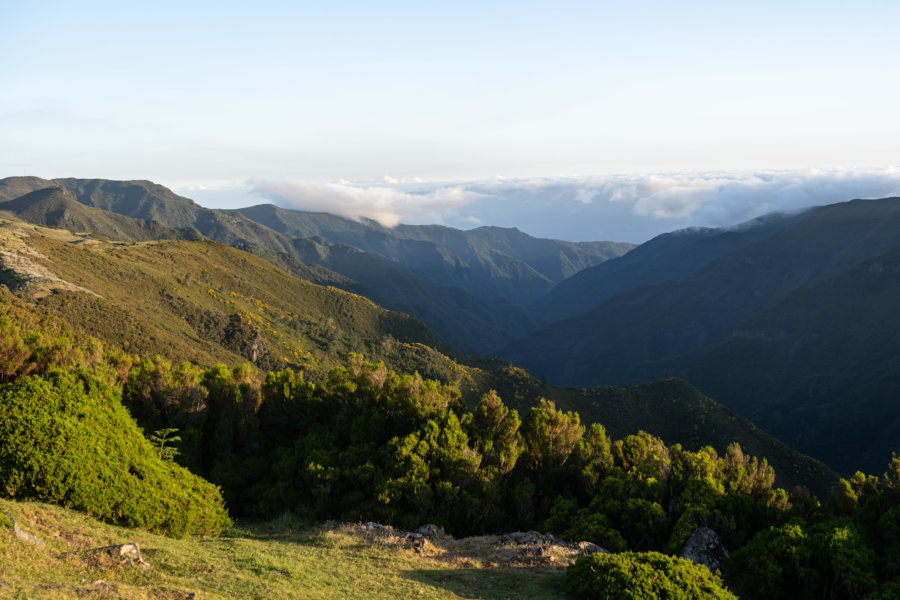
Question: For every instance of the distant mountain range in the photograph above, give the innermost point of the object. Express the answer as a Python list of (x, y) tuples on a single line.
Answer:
[(210, 303), (790, 320), (468, 286)]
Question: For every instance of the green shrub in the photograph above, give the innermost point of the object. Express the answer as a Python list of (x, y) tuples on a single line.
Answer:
[(65, 438), (642, 576)]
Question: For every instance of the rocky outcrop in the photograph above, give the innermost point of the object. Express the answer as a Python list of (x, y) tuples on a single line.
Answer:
[(704, 547), (520, 548), (538, 544)]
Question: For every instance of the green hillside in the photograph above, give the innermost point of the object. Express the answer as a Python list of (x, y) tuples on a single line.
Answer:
[(438, 274), (210, 303), (55, 207), (796, 331), (205, 302), (831, 353)]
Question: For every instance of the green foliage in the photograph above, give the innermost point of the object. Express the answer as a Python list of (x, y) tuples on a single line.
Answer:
[(642, 576), (68, 440), (828, 560), (161, 440)]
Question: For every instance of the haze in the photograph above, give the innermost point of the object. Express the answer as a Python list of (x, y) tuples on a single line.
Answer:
[(580, 120)]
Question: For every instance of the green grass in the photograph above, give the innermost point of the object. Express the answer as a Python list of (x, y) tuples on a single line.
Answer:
[(284, 558)]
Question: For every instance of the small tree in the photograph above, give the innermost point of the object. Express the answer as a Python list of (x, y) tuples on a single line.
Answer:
[(160, 438)]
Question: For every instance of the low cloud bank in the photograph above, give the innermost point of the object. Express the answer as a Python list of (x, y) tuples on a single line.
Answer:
[(387, 205), (615, 207)]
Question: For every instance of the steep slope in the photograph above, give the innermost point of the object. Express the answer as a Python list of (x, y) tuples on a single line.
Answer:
[(485, 272), (831, 358), (14, 187), (652, 323), (463, 321), (205, 302), (489, 262), (668, 257), (784, 330), (55, 207), (209, 303)]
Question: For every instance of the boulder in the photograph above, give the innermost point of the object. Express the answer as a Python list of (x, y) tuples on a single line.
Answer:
[(704, 547)]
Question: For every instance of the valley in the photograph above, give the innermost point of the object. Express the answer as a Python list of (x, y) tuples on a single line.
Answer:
[(311, 364)]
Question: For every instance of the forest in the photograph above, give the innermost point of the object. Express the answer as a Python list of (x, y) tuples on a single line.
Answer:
[(187, 449)]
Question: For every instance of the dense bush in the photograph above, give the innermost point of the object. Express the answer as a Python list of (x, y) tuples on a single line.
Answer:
[(67, 439), (853, 552), (642, 576)]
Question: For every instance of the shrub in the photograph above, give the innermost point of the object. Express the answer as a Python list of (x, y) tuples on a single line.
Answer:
[(642, 576), (65, 438)]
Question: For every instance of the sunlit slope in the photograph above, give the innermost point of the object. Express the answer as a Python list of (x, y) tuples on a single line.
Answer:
[(204, 302)]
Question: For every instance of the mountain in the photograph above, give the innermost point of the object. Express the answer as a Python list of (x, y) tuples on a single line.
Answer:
[(490, 263), (210, 303), (668, 257), (463, 321), (831, 357), (721, 326), (55, 207), (467, 286), (204, 302)]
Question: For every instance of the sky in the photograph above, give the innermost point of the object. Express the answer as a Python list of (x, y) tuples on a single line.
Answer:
[(570, 119)]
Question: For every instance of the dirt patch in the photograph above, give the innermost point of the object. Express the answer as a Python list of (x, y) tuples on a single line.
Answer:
[(19, 266)]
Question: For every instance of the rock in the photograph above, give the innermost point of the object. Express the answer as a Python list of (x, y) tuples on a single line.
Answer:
[(130, 554), (430, 530), (21, 534), (590, 548), (705, 548), (372, 527), (526, 538)]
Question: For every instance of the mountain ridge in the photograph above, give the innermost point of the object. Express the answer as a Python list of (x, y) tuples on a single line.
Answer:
[(488, 283)]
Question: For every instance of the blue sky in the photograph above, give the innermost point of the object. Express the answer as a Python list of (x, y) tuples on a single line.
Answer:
[(227, 100)]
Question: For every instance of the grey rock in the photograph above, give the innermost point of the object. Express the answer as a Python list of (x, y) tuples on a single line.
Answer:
[(129, 553), (430, 530), (590, 548), (704, 547), (21, 534)]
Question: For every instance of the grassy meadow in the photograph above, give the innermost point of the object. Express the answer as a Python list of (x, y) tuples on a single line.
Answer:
[(284, 558)]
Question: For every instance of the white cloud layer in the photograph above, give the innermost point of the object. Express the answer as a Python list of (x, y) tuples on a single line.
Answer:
[(387, 205), (656, 203), (615, 207)]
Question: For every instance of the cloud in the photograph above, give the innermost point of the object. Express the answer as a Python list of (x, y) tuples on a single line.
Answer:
[(705, 199), (632, 207), (386, 205)]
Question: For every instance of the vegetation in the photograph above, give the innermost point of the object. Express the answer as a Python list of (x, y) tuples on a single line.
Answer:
[(207, 304), (282, 558), (790, 321), (642, 576), (124, 425), (368, 444), (852, 551), (67, 439)]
